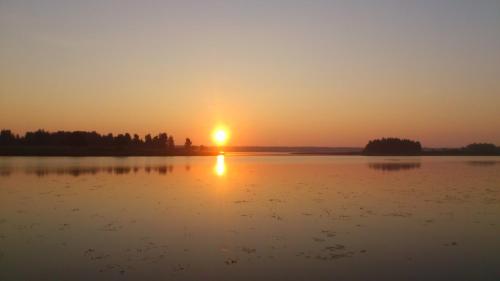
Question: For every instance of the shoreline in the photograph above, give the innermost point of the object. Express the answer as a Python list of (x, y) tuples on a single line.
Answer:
[(98, 151), (131, 151), (246, 153)]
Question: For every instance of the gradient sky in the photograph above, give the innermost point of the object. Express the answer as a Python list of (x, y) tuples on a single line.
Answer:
[(326, 73)]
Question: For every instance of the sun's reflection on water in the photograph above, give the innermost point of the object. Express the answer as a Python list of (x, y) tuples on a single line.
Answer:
[(220, 166)]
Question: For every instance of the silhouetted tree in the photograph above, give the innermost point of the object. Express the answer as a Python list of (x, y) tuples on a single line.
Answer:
[(188, 144), (108, 139), (128, 139), (39, 137), (7, 138), (171, 143), (136, 140), (163, 140), (148, 140)]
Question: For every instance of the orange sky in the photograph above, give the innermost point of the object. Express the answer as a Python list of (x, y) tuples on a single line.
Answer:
[(276, 73)]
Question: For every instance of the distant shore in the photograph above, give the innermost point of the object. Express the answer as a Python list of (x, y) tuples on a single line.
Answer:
[(98, 151), (430, 153), (83, 143), (71, 151)]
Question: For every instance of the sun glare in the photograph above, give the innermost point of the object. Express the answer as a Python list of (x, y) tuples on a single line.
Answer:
[(220, 166), (220, 136)]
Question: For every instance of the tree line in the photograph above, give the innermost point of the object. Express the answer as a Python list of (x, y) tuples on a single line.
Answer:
[(94, 139), (396, 146), (393, 146)]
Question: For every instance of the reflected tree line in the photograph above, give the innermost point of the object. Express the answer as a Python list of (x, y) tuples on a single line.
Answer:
[(391, 167), (483, 163), (405, 166), (80, 171)]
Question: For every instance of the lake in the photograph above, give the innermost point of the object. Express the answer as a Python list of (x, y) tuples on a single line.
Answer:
[(248, 217)]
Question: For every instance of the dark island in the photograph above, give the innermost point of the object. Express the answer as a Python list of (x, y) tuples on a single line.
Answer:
[(81, 143), (393, 146), (405, 147)]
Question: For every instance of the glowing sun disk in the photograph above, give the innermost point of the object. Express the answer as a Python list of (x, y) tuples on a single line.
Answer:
[(220, 137)]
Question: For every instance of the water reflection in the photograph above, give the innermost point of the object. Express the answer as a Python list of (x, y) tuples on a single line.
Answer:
[(220, 166), (287, 217), (482, 163), (5, 172), (392, 167), (81, 170)]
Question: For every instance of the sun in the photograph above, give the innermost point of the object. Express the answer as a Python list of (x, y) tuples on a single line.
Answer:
[(220, 136)]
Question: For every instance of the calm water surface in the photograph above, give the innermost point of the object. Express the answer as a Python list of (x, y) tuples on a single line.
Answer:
[(250, 217)]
